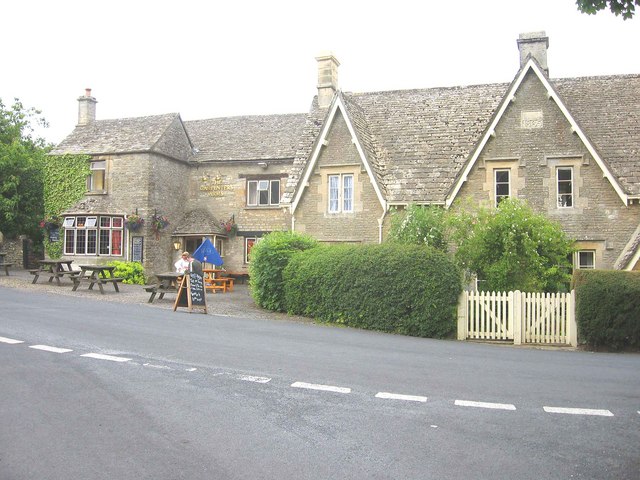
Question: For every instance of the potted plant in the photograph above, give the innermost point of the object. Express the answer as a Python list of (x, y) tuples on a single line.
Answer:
[(134, 222)]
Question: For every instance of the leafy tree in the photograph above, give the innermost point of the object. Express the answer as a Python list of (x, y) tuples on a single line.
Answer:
[(513, 248), (419, 225), (21, 160), (626, 8)]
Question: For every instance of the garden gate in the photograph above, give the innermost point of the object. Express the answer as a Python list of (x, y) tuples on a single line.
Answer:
[(521, 317)]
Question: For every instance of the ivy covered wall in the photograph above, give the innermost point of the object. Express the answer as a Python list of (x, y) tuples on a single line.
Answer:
[(65, 183)]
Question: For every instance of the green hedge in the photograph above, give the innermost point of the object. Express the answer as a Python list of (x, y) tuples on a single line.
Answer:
[(608, 308), (407, 289), (269, 257)]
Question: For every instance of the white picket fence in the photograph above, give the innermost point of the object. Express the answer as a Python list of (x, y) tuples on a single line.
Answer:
[(521, 317)]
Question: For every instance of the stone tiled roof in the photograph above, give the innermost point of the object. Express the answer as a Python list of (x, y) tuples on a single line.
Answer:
[(607, 109), (257, 137), (198, 222), (417, 141), (139, 134)]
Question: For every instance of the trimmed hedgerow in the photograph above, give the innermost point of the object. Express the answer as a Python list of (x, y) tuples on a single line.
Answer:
[(269, 257), (608, 308), (407, 289)]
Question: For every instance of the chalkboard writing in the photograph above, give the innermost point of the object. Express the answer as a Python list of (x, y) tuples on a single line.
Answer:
[(191, 292), (196, 289), (54, 235), (137, 249)]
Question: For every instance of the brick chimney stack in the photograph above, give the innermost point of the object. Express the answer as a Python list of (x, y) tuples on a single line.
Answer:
[(536, 44), (86, 108), (327, 78)]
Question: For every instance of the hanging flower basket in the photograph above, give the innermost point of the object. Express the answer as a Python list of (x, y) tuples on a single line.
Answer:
[(134, 222), (158, 223), (50, 222), (230, 226)]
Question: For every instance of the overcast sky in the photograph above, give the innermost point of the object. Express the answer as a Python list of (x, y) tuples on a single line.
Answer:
[(206, 59)]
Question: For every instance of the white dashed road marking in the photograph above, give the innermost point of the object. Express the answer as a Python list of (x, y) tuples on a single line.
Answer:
[(578, 411), (251, 378), (48, 348), (325, 388), (10, 341), (100, 356), (497, 406), (151, 365), (397, 396)]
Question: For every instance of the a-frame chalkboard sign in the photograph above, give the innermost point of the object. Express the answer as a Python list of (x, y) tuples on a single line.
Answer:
[(191, 292)]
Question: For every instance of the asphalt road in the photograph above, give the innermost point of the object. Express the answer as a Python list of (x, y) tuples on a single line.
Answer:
[(97, 389)]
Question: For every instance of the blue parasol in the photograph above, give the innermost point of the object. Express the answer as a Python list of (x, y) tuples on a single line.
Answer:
[(207, 253)]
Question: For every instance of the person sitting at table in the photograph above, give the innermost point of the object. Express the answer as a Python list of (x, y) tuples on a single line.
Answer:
[(183, 264)]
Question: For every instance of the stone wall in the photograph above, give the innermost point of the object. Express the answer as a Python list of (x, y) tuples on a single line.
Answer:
[(533, 138), (339, 156)]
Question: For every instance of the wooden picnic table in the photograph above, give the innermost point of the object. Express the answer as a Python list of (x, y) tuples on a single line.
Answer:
[(167, 282), (54, 269), (215, 281), (96, 275), (4, 264)]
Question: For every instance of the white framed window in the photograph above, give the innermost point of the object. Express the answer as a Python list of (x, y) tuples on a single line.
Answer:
[(564, 181), (585, 259), (96, 178), (249, 242), (340, 193), (502, 184), (84, 235), (263, 193)]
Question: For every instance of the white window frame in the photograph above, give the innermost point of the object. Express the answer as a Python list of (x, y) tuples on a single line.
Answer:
[(98, 168), (90, 231), (255, 187), (255, 240), (499, 197), (585, 265), (564, 200), (340, 193)]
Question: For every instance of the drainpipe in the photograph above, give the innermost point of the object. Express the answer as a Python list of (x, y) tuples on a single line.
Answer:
[(380, 223)]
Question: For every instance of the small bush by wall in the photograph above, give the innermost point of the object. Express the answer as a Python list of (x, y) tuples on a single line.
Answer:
[(407, 289), (608, 308), (269, 257), (132, 272)]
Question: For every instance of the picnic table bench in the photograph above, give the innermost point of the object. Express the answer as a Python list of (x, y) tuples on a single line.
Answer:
[(6, 266), (54, 269), (167, 283), (96, 275)]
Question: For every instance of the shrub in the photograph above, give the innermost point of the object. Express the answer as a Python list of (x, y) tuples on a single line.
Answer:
[(514, 248), (131, 272), (419, 225), (269, 257), (608, 308), (406, 289)]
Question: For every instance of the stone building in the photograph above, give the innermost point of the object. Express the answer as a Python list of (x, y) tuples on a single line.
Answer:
[(571, 147)]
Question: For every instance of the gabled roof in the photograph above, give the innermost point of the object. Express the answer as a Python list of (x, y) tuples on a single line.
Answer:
[(415, 141), (421, 144), (256, 137), (198, 222), (587, 116), (361, 139), (122, 135)]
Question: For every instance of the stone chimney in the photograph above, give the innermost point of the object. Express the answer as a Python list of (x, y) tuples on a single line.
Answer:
[(535, 44), (86, 108), (327, 78)]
